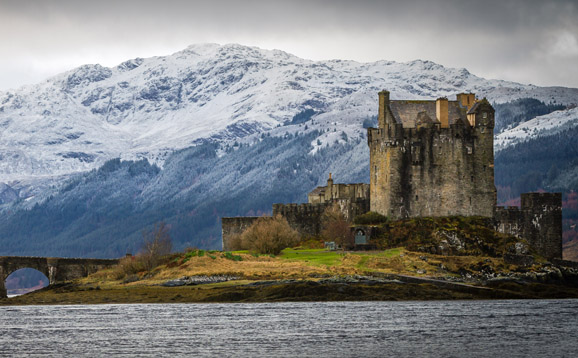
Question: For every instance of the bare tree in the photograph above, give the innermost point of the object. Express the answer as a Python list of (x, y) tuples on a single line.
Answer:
[(335, 227), (157, 243)]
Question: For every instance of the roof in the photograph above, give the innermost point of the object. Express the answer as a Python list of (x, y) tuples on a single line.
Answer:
[(483, 103), (320, 190), (406, 112)]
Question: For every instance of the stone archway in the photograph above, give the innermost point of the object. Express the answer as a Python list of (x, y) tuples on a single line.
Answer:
[(8, 265), (56, 269), (25, 280)]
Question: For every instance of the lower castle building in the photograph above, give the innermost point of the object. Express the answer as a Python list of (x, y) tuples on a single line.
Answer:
[(353, 200), (428, 158)]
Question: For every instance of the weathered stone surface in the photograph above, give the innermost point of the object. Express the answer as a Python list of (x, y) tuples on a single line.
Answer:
[(538, 220)]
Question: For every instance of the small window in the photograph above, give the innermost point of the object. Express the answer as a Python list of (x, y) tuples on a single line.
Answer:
[(416, 198), (484, 115), (472, 179)]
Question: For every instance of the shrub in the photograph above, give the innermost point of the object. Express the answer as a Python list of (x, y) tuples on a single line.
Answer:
[(128, 266), (335, 227), (370, 218), (236, 242), (269, 235)]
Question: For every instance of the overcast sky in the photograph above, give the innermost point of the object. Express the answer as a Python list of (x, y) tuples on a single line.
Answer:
[(524, 40)]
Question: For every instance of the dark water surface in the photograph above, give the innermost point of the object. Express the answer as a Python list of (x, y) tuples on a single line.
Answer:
[(544, 328)]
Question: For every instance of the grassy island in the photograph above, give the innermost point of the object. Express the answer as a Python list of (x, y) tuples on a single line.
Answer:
[(302, 274), (417, 259)]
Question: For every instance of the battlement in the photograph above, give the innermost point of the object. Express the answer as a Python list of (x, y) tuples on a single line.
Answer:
[(540, 201), (331, 192)]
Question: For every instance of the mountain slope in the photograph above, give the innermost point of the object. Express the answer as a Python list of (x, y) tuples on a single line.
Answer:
[(216, 131), (145, 108)]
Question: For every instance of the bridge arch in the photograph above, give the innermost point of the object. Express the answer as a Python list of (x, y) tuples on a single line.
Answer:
[(56, 269), (25, 280)]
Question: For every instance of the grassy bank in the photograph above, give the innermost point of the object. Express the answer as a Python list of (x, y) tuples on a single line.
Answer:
[(304, 274)]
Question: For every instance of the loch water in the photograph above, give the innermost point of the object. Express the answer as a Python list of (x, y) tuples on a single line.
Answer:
[(509, 328)]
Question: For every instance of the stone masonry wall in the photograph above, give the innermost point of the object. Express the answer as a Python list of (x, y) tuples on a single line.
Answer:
[(234, 226), (305, 218), (543, 222), (538, 220), (432, 171)]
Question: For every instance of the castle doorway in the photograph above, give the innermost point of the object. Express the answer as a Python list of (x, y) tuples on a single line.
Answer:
[(360, 237)]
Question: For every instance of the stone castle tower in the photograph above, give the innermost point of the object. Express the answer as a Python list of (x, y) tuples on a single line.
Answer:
[(432, 158)]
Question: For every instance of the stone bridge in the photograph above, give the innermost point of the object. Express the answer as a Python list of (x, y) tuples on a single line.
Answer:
[(55, 268)]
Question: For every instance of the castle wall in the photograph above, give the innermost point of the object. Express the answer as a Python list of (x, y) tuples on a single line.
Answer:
[(234, 226), (543, 222), (432, 172), (538, 220), (333, 192), (305, 218)]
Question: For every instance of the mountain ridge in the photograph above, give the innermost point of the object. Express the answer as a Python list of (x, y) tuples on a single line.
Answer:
[(146, 108), (92, 157)]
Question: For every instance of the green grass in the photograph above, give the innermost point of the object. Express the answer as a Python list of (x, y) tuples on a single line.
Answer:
[(365, 256), (313, 256), (363, 262), (391, 252), (228, 255)]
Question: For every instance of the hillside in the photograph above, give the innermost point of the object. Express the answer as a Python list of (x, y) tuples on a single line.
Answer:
[(94, 156)]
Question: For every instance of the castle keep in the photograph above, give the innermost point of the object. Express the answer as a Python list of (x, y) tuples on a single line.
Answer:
[(428, 158), (432, 158)]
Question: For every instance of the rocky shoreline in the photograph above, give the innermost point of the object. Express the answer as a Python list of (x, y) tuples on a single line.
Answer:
[(199, 289)]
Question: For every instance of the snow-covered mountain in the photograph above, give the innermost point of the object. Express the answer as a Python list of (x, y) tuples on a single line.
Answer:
[(540, 126), (231, 129), (146, 108)]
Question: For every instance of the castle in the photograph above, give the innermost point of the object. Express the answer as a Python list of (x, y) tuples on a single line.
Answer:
[(429, 158), (432, 158)]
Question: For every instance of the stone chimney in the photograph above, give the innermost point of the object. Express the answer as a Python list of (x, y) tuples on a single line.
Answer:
[(442, 112), (383, 103), (466, 99), (329, 190)]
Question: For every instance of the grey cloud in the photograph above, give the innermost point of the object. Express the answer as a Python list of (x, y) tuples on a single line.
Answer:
[(491, 38)]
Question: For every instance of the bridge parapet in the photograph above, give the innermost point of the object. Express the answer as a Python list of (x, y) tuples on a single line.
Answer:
[(57, 269)]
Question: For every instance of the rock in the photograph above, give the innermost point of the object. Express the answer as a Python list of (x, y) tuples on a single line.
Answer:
[(197, 280)]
